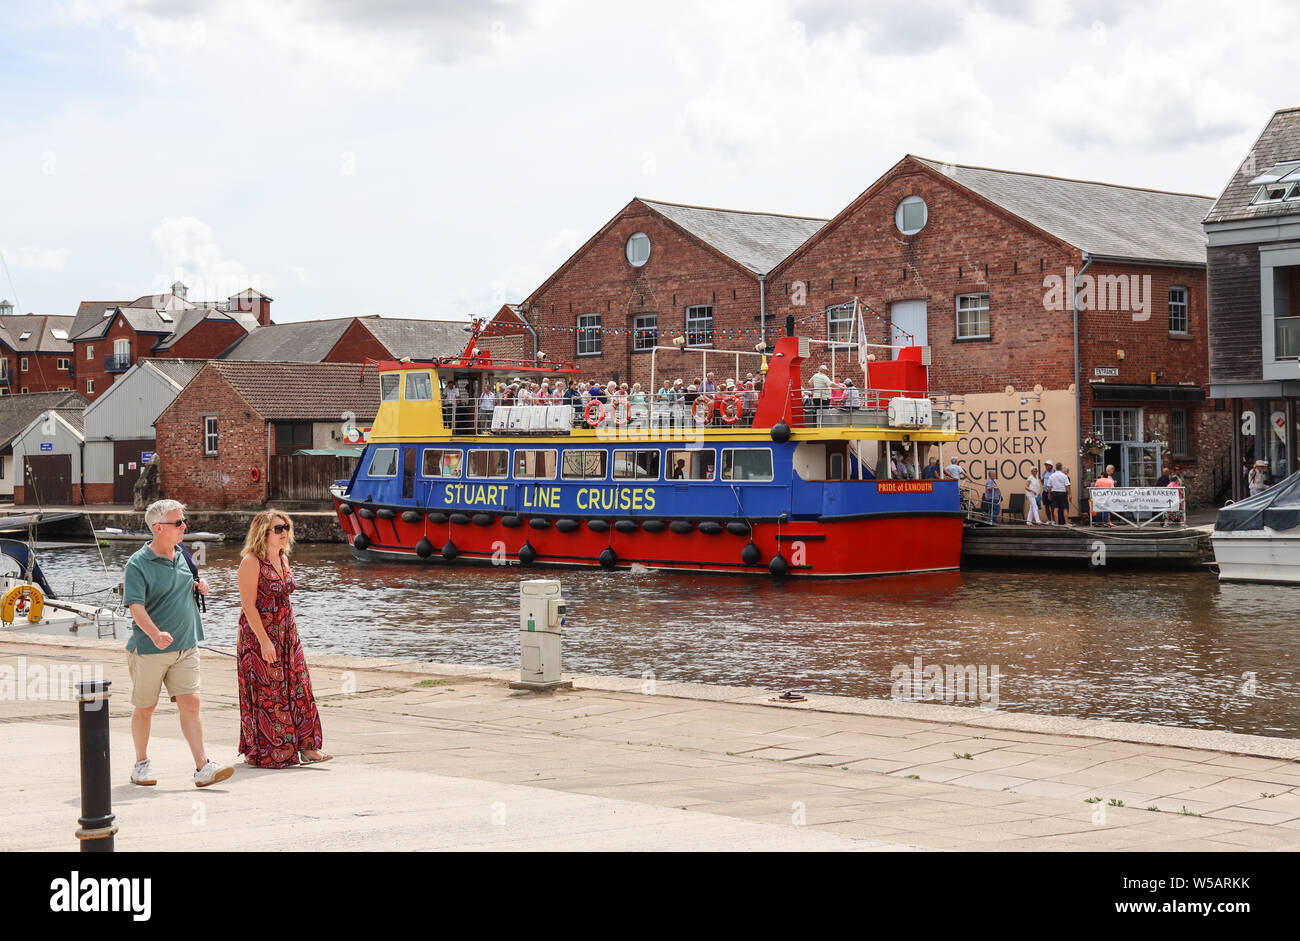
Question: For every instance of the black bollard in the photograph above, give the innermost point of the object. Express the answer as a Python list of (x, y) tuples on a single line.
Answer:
[(97, 827)]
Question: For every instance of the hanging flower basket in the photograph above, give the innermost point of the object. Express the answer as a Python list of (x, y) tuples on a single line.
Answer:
[(1092, 447)]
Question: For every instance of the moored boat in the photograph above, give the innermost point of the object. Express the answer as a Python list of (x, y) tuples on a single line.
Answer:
[(782, 481), (1258, 539)]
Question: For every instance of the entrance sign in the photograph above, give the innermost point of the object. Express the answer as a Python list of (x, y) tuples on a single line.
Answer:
[(1136, 499)]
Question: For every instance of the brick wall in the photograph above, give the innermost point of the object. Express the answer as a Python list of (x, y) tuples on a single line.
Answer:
[(43, 373), (92, 367), (206, 340), (681, 272), (223, 480), (356, 346)]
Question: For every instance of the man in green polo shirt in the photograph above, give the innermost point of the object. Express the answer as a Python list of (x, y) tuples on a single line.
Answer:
[(159, 590)]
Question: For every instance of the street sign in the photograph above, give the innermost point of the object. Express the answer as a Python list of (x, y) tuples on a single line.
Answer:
[(47, 445), (146, 457)]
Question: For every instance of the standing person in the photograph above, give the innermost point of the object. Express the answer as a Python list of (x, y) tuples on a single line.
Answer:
[(159, 589), (1033, 491), (1107, 479), (993, 495), (1060, 487), (486, 403), (955, 470), (931, 471), (1257, 480), (1049, 511), (279, 724)]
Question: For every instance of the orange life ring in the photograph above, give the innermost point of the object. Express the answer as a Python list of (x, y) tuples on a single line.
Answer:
[(254, 475), (707, 402), (729, 409), (599, 408)]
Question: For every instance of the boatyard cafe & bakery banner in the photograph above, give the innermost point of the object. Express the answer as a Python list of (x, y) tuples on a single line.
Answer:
[(1003, 434)]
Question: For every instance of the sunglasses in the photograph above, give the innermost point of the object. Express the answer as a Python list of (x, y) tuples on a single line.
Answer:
[(177, 523), (281, 527)]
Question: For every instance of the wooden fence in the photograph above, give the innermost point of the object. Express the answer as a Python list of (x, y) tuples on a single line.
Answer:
[(307, 476)]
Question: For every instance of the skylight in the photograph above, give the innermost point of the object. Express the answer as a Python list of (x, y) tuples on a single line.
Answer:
[(25, 335), (58, 333), (1278, 173), (165, 316)]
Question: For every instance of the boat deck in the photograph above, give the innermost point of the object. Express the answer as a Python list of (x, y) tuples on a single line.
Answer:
[(1181, 546)]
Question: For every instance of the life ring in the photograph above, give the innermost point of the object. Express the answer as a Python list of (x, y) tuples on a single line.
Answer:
[(598, 407), (729, 409), (622, 411), (18, 597), (254, 475), (702, 415)]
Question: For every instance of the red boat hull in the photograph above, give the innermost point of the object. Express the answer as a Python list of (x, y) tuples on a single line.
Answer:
[(872, 545)]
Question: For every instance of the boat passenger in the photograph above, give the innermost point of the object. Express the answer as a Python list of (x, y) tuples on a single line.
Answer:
[(679, 471), (486, 403), (931, 471), (954, 470), (637, 397), (853, 399)]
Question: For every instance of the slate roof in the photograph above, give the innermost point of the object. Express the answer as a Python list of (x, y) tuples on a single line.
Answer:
[(1100, 218), (303, 391), (418, 339), (19, 411), (179, 371), (74, 417), (1277, 143), (307, 341), (90, 313), (185, 321), (757, 240), (41, 328)]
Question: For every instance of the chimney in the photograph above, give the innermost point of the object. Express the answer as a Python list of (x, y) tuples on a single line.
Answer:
[(179, 290), (252, 302)]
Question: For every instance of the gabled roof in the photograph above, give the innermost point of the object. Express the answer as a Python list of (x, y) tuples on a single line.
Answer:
[(19, 411), (176, 371), (45, 333), (1277, 143), (1123, 222), (306, 341), (756, 240), (72, 417), (185, 321), (90, 313), (303, 391), (418, 339)]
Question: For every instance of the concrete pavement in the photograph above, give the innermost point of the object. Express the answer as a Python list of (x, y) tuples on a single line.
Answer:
[(446, 756)]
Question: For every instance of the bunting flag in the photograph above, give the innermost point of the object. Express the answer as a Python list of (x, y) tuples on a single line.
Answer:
[(774, 329)]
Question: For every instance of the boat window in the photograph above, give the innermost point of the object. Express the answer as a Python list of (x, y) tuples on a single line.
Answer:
[(488, 463), (696, 464), (439, 463), (746, 463), (383, 463), (584, 465), (636, 464), (419, 387), (535, 465), (390, 385)]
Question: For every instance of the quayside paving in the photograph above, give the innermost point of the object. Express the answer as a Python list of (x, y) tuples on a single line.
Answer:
[(447, 756)]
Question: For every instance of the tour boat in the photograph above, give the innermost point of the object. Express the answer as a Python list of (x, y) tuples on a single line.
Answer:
[(1258, 539), (778, 482)]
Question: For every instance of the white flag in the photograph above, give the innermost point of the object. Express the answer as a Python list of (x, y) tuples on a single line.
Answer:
[(862, 334)]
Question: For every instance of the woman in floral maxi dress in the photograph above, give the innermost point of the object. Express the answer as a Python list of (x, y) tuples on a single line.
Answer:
[(279, 724)]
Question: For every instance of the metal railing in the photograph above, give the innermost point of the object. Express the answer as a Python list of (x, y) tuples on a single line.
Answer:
[(117, 362)]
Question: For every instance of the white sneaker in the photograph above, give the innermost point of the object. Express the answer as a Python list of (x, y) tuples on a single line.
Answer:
[(211, 773), (142, 773)]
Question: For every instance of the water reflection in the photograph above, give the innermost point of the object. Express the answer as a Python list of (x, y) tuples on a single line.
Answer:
[(1174, 648)]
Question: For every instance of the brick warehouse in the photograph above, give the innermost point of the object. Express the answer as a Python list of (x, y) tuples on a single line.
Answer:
[(215, 440), (922, 240)]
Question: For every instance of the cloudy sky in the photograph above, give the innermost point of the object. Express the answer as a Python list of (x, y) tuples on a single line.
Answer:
[(439, 158)]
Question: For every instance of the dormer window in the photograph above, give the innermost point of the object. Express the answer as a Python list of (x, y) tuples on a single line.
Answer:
[(1278, 183)]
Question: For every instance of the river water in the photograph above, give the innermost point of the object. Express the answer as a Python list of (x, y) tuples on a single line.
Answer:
[(1173, 648)]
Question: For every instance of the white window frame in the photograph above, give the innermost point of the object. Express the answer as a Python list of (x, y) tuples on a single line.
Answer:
[(635, 463), (603, 460), (441, 452), (627, 250), (725, 475), (90, 351), (64, 363), (90, 386), (900, 211), (370, 472), (692, 333), (394, 381), (22, 364), (554, 461), (1186, 310), (211, 433), (839, 327), (589, 335), (988, 318), (489, 461), (641, 342)]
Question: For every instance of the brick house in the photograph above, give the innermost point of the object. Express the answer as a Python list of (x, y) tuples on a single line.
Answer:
[(349, 340), (35, 353), (655, 272), (981, 265), (109, 336), (217, 437), (978, 264), (1254, 289)]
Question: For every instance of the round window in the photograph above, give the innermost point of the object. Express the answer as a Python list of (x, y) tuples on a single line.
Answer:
[(911, 215), (638, 249)]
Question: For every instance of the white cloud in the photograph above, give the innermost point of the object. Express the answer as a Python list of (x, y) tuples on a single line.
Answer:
[(190, 254)]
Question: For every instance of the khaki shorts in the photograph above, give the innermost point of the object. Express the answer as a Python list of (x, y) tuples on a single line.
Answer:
[(179, 670)]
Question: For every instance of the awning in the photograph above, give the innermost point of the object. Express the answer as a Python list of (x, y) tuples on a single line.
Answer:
[(1117, 392)]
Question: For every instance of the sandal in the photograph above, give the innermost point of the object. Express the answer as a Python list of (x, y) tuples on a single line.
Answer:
[(303, 759)]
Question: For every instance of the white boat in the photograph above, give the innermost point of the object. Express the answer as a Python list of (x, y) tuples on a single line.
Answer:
[(1258, 539), (28, 604), (112, 534)]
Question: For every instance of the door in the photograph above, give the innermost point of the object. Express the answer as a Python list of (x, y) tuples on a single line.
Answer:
[(47, 480), (1141, 464), (908, 324), (126, 468)]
